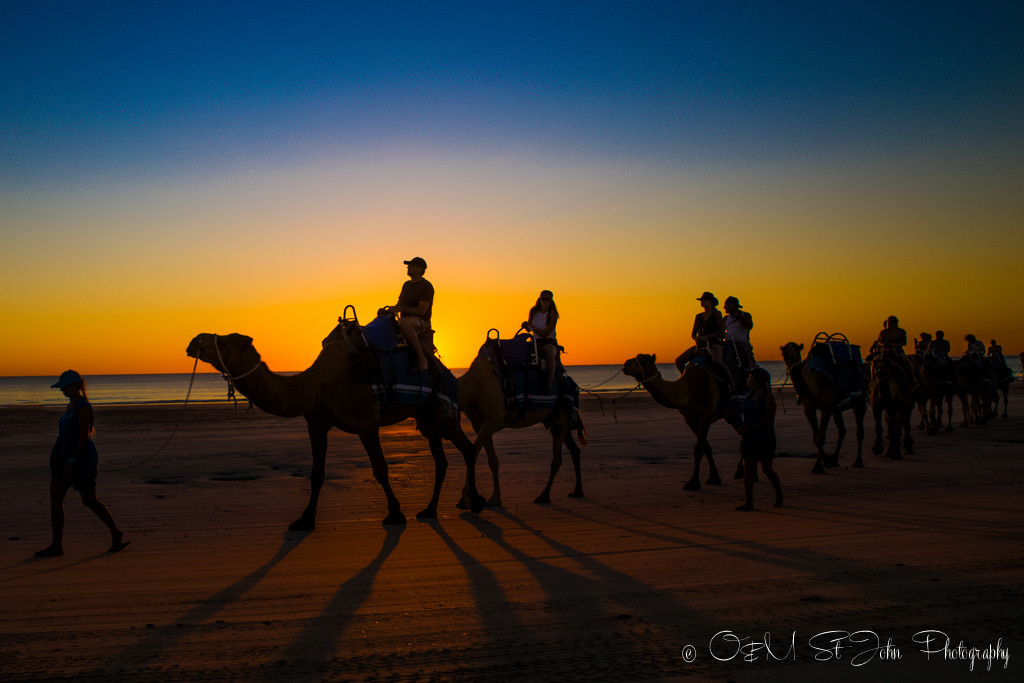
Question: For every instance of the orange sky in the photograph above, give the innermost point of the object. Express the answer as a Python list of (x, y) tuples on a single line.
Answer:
[(119, 280)]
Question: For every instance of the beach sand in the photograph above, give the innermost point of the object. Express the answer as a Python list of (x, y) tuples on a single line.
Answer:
[(631, 582)]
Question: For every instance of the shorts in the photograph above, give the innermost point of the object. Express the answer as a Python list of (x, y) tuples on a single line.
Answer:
[(83, 475)]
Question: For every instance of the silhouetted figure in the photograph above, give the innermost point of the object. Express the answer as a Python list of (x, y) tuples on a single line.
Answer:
[(709, 335), (737, 331), (415, 305), (73, 463), (757, 432), (541, 321)]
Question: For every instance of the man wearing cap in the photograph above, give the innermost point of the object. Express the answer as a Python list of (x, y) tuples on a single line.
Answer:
[(737, 331), (415, 304)]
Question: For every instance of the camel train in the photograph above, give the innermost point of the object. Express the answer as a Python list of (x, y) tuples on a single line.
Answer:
[(362, 380)]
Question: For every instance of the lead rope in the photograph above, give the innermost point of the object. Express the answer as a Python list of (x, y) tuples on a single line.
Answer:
[(159, 450)]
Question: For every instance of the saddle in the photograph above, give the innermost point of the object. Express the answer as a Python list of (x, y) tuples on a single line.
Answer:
[(379, 356), (834, 356), (523, 378)]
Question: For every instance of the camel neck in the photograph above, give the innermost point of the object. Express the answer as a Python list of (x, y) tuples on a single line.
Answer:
[(285, 396)]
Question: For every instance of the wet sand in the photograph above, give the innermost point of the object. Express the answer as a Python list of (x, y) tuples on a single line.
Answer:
[(631, 582)]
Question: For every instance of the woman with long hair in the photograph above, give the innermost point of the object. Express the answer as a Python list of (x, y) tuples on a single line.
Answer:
[(541, 322), (73, 463)]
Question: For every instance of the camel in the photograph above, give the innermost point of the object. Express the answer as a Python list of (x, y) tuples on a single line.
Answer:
[(892, 392), (975, 385), (936, 389), (327, 395), (482, 399), (818, 393), (697, 395)]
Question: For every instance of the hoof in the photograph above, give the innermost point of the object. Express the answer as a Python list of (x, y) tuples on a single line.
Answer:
[(858, 464), (302, 524), (426, 513), (576, 494), (714, 480), (876, 449), (818, 468), (462, 504), (542, 499), (394, 519), (478, 504), (691, 485)]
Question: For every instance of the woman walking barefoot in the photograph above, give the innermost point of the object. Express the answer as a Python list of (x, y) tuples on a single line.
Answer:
[(758, 435), (73, 463)]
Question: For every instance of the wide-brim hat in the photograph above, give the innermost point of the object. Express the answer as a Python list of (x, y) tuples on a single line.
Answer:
[(416, 261), (67, 377), (733, 300), (708, 295)]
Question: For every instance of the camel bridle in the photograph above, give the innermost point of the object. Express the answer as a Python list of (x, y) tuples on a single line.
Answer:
[(231, 379)]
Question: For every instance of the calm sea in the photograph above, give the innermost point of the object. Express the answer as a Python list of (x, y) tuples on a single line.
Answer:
[(210, 387)]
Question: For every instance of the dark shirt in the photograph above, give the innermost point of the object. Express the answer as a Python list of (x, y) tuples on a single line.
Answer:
[(713, 324), (415, 292)]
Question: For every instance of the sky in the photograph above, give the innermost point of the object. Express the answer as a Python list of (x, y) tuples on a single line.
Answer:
[(168, 169)]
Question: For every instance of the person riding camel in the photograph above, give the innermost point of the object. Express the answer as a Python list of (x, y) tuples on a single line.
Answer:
[(923, 347), (737, 332), (709, 335), (890, 343), (415, 306), (940, 347)]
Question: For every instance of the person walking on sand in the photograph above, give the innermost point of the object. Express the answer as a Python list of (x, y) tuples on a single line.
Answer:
[(73, 463), (415, 305), (757, 444)]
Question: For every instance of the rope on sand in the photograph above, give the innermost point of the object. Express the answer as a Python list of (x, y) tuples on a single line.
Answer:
[(160, 450)]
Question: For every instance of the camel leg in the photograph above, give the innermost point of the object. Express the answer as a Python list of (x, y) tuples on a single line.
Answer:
[(820, 431), (859, 410), (837, 417), (558, 432), (698, 453), (318, 442), (812, 418), (949, 413), (371, 442), (876, 411), (440, 469), (574, 451), (908, 434), (470, 496), (894, 420), (484, 440)]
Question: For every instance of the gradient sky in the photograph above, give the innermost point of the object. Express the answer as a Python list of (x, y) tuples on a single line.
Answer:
[(174, 168)]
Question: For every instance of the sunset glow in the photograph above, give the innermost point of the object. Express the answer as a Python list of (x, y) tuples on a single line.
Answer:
[(626, 171)]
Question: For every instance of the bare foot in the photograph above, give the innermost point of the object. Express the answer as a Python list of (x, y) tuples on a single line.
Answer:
[(117, 543)]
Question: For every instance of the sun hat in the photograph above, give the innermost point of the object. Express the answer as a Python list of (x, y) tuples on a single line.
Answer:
[(708, 295), (416, 261), (733, 300), (546, 294), (67, 377)]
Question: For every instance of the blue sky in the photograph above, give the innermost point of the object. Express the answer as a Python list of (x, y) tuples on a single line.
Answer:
[(105, 90)]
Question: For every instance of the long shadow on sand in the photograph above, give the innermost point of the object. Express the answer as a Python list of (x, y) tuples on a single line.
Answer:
[(315, 646), (637, 629), (162, 638)]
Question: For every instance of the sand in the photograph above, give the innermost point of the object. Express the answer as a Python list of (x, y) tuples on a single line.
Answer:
[(638, 580)]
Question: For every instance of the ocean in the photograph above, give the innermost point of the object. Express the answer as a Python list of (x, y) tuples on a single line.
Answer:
[(210, 387)]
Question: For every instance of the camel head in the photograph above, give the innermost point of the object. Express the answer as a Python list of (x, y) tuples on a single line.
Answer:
[(791, 353), (642, 368), (230, 354)]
